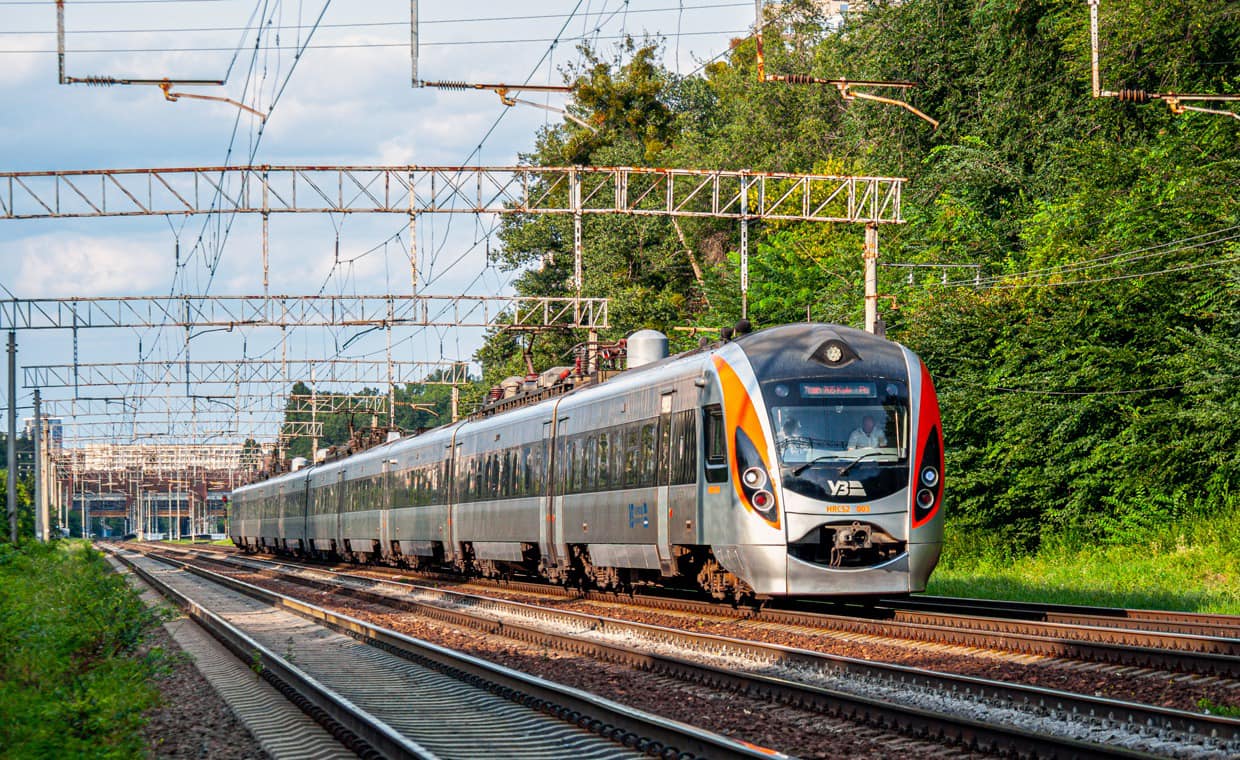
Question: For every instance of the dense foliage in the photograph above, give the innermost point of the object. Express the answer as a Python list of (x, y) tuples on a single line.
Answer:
[(74, 678), (1091, 379)]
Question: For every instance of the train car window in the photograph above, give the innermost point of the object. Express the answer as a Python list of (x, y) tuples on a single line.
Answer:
[(576, 464), (604, 461), (527, 469), (632, 469), (648, 459), (513, 478), (521, 469), (715, 442), (589, 465), (688, 448)]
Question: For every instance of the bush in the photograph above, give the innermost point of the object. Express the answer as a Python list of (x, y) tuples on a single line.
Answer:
[(75, 677)]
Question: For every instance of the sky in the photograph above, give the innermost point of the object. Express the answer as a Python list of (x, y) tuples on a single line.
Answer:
[(346, 99)]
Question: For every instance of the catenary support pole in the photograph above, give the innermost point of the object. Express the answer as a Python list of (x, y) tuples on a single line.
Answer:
[(871, 278), (40, 507), (413, 40), (12, 441), (744, 248)]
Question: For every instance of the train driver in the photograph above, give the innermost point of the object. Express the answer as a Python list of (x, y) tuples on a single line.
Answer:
[(866, 436), (792, 443)]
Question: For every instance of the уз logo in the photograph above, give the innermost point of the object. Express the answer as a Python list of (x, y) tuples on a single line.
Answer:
[(846, 487)]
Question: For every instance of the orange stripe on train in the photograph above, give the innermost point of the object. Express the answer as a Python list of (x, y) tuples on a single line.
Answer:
[(739, 411)]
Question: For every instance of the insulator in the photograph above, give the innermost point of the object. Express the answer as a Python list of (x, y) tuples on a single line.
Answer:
[(1133, 96), (799, 79), (100, 81), (451, 85)]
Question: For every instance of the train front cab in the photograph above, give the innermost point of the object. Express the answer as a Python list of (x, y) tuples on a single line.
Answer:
[(810, 514)]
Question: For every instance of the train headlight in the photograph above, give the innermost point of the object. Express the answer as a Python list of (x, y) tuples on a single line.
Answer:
[(925, 498), (929, 477), (763, 501), (754, 477), (755, 480)]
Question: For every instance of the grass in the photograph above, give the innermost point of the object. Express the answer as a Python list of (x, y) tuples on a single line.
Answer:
[(1193, 567), (75, 677)]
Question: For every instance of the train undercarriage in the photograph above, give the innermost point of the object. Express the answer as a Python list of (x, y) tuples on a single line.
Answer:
[(695, 566)]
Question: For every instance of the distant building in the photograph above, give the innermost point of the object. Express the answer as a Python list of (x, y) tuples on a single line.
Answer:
[(53, 427)]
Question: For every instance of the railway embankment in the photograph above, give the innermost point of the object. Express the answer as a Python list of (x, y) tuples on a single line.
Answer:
[(89, 669), (1191, 566), (77, 670)]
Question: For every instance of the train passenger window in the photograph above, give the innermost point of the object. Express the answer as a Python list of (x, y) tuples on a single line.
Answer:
[(516, 474), (573, 472), (688, 448), (527, 469), (588, 454), (648, 459), (604, 461), (632, 452), (715, 441)]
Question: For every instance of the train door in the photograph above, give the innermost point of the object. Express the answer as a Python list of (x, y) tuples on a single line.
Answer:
[(663, 479), (557, 496), (546, 502), (342, 501), (307, 495), (385, 507), (455, 476)]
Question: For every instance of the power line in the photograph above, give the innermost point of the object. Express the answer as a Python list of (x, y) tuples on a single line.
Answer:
[(363, 45), (1133, 276), (114, 2), (373, 24), (1193, 242)]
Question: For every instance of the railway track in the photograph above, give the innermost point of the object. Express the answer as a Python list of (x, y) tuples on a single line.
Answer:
[(1137, 643), (969, 710), (1191, 623), (1206, 645), (344, 672)]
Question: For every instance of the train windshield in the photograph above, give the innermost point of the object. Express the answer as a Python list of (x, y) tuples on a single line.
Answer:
[(864, 421)]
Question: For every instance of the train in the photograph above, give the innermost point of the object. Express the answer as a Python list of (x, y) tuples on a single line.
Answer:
[(801, 460)]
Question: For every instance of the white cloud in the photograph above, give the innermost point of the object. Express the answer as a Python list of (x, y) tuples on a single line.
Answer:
[(60, 265)]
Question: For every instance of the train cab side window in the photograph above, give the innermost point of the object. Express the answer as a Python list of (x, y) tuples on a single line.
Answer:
[(715, 442)]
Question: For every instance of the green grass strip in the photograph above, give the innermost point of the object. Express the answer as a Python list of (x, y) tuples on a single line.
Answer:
[(1192, 566), (75, 674)]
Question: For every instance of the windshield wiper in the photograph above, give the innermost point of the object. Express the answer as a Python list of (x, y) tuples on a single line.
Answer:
[(855, 462), (801, 468)]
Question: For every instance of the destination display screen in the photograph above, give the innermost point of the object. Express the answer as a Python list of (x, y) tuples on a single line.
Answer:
[(838, 390)]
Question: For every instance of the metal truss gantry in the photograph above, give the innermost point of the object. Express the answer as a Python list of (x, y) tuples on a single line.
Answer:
[(722, 194), (225, 403), (247, 372), (576, 191), (509, 312)]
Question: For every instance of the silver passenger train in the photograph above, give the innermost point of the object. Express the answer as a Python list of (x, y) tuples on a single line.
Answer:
[(803, 460)]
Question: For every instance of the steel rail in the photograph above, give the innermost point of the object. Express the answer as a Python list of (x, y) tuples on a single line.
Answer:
[(620, 723), (354, 727), (1192, 623), (945, 727)]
